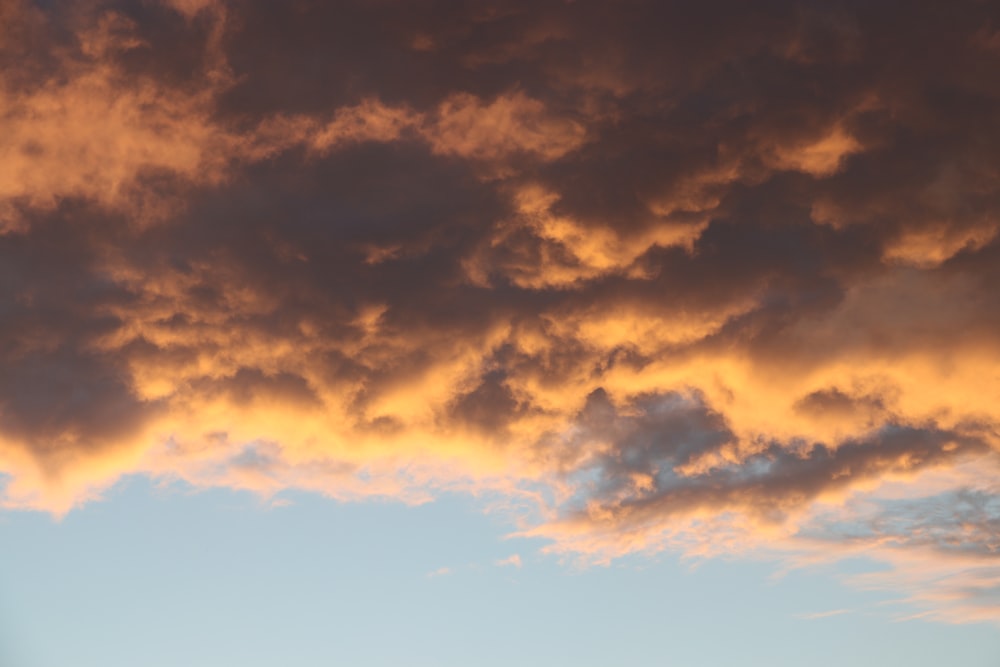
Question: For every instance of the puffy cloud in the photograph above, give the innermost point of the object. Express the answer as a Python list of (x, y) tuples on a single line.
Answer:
[(720, 280)]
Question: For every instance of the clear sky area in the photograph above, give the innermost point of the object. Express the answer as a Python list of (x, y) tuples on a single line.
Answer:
[(163, 577)]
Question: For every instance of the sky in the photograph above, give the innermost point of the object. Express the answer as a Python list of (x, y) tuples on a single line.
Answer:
[(488, 332)]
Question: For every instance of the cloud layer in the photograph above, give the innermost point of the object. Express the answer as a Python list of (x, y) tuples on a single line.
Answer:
[(718, 279)]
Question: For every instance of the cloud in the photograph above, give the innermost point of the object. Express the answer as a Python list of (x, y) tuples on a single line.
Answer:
[(717, 280), (514, 560), (440, 572)]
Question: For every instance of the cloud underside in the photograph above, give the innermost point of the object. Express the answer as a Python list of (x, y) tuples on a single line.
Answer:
[(719, 280)]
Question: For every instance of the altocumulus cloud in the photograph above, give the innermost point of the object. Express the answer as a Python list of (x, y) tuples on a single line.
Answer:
[(718, 279)]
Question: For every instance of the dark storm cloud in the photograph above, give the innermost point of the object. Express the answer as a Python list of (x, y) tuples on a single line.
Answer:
[(666, 454), (728, 262)]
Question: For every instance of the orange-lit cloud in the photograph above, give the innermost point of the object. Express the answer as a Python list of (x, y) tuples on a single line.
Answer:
[(727, 288)]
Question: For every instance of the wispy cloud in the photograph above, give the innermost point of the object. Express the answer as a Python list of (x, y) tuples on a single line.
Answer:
[(514, 560), (440, 572)]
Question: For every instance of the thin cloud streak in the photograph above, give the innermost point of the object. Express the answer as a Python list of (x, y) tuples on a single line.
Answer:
[(514, 560)]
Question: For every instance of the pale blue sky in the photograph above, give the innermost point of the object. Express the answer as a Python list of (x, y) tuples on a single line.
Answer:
[(163, 577)]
